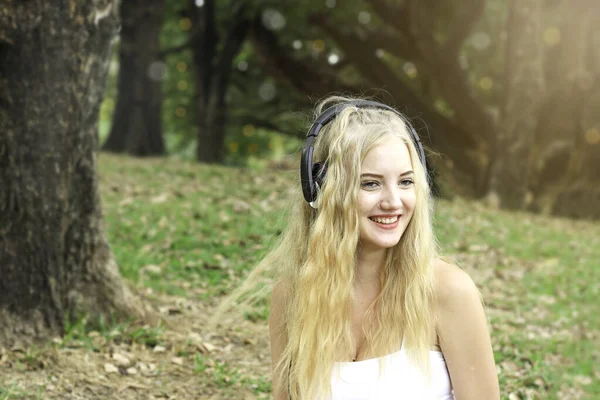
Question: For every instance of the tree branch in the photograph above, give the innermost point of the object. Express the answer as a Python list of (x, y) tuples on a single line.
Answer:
[(394, 15), (360, 52), (235, 37), (461, 27), (301, 75)]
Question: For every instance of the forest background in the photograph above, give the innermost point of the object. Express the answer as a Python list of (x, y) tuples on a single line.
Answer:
[(148, 148)]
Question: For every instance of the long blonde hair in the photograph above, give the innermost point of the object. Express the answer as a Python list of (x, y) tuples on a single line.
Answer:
[(316, 256)]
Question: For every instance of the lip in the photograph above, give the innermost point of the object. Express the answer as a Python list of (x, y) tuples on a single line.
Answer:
[(387, 227)]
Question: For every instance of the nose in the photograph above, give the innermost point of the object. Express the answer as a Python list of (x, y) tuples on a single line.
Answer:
[(392, 198)]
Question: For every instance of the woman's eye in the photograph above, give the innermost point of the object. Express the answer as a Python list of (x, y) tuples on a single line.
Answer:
[(369, 184), (406, 182)]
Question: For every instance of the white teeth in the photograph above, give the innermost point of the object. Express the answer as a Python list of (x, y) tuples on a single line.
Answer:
[(385, 220)]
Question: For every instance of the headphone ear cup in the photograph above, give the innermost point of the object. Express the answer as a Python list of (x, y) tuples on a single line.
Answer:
[(319, 170)]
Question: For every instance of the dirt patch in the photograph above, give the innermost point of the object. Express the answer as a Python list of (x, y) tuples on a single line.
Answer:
[(186, 362)]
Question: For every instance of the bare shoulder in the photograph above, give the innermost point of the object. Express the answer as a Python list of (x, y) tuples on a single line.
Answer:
[(453, 285), (278, 300), (279, 292)]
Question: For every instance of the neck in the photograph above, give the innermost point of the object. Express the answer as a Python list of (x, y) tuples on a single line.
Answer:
[(368, 265)]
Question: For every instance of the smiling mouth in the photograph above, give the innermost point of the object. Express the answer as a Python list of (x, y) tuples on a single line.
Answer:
[(386, 220)]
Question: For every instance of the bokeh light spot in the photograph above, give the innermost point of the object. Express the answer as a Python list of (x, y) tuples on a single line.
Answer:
[(481, 41), (157, 71), (486, 83), (333, 59), (273, 19), (297, 44), (248, 130), (592, 136), (330, 3), (364, 17), (234, 147), (318, 45), (379, 53), (242, 66), (181, 66), (266, 91), (552, 36), (180, 112), (410, 70), (252, 148), (182, 85), (185, 24)]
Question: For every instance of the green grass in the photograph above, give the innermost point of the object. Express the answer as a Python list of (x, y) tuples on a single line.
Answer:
[(14, 391), (193, 230), (225, 376)]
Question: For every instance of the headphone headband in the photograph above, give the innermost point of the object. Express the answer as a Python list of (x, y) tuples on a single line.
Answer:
[(311, 175)]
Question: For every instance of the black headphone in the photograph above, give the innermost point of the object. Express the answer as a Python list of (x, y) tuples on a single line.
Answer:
[(312, 175)]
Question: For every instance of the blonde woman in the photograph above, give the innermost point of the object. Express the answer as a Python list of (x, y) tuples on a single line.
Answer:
[(363, 309)]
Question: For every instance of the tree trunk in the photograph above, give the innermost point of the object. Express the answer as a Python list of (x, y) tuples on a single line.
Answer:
[(566, 177), (137, 122), (55, 260), (509, 172), (213, 71)]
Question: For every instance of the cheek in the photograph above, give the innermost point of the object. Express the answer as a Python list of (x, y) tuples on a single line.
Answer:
[(410, 200), (365, 202)]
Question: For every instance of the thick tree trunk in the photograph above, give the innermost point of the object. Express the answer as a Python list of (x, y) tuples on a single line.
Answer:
[(510, 173), (55, 261), (137, 122)]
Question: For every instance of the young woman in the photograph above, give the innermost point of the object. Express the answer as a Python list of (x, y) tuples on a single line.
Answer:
[(363, 307)]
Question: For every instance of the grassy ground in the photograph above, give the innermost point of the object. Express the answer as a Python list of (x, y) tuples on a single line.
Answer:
[(184, 233)]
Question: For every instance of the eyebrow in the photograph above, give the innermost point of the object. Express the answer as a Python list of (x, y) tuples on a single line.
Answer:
[(381, 176)]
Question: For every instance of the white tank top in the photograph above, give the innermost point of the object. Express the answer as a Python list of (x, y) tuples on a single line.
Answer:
[(361, 380)]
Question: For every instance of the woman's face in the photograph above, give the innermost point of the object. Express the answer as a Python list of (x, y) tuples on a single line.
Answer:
[(387, 195)]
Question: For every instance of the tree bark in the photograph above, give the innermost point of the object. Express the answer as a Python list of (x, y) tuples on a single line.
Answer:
[(55, 260), (213, 65), (137, 121)]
